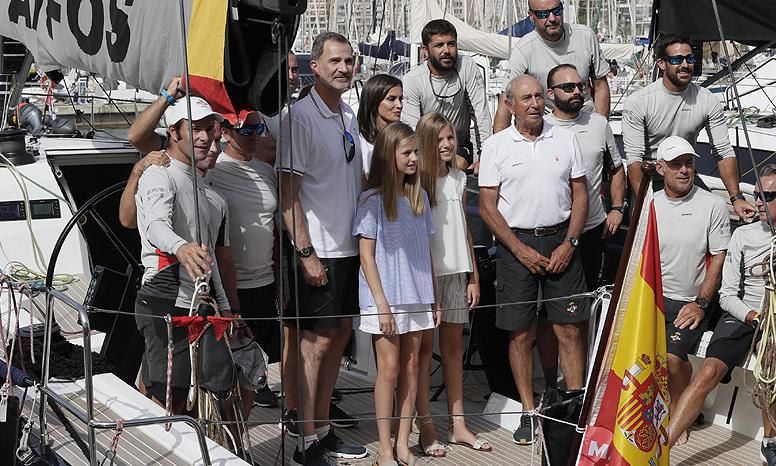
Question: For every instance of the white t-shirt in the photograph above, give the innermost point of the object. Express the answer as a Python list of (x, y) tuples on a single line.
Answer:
[(250, 191), (449, 243), (579, 47), (367, 149), (689, 228), (595, 139), (533, 176), (330, 185)]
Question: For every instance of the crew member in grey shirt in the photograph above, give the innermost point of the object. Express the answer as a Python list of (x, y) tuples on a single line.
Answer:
[(741, 297), (554, 43), (448, 84), (675, 106)]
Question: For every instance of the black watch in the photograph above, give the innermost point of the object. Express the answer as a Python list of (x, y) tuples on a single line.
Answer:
[(736, 197), (619, 208), (702, 303), (306, 251)]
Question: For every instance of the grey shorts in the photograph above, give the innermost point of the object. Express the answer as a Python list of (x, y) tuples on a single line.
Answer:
[(452, 297), (515, 283)]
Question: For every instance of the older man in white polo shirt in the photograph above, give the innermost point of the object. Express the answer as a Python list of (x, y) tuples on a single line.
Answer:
[(533, 196)]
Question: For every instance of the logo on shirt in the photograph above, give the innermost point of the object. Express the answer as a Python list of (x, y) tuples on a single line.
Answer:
[(686, 214), (557, 159), (517, 164)]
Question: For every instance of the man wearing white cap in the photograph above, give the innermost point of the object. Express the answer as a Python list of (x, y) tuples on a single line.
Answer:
[(166, 224), (694, 231)]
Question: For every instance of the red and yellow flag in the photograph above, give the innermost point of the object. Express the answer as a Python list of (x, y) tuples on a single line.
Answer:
[(206, 42), (631, 425)]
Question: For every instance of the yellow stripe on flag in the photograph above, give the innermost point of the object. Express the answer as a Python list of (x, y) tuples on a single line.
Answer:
[(206, 39)]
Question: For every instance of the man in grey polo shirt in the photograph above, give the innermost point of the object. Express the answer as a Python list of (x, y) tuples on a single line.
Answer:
[(675, 106), (694, 229), (320, 184), (553, 43), (449, 84), (530, 164)]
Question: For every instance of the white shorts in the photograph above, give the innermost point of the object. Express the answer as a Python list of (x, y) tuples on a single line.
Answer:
[(408, 318)]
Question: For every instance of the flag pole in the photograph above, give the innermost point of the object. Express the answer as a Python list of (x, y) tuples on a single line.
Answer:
[(647, 169)]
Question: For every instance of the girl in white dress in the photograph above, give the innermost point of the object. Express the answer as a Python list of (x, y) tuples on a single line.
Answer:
[(457, 281)]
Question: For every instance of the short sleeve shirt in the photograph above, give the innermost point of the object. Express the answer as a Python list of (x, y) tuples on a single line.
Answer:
[(330, 185), (532, 176), (401, 251), (689, 229), (579, 46)]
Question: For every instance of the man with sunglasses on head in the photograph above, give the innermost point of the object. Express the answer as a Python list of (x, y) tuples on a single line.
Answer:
[(533, 197), (553, 43), (741, 297), (449, 84), (694, 229), (320, 179), (675, 106), (248, 184)]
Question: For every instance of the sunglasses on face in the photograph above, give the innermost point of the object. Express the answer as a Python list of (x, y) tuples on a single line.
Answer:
[(349, 145), (247, 130), (569, 87), (678, 59), (765, 196), (544, 14)]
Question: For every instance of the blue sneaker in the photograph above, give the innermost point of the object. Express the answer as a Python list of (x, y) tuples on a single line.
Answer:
[(526, 433), (339, 448)]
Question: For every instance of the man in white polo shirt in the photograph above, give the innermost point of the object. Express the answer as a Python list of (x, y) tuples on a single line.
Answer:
[(320, 185), (552, 43), (694, 229), (533, 197)]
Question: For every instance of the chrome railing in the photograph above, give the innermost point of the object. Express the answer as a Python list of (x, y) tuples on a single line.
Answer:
[(87, 417)]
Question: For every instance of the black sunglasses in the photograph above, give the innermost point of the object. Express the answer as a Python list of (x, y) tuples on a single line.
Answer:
[(765, 196), (678, 59), (544, 14), (350, 148), (247, 130), (569, 87)]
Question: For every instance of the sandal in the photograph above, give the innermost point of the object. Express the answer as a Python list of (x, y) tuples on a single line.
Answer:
[(480, 444), (389, 463), (435, 446)]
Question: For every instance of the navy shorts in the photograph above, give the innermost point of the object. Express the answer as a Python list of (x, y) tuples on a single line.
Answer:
[(680, 342)]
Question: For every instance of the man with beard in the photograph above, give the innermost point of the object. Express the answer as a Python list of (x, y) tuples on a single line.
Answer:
[(450, 85), (741, 297), (694, 229), (553, 43), (531, 164), (675, 106), (599, 149), (320, 179)]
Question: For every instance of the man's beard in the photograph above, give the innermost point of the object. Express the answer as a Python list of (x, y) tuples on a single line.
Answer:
[(437, 64), (572, 105), (673, 76)]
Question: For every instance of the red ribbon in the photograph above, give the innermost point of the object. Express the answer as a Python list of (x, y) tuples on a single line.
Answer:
[(195, 325)]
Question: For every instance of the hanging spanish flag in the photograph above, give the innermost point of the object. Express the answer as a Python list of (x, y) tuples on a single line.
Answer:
[(206, 41), (630, 427)]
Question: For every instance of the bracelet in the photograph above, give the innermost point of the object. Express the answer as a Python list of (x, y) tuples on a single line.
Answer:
[(170, 99), (619, 208), (736, 197)]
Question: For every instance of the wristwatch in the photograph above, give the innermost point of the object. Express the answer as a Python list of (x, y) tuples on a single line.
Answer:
[(306, 251), (702, 303), (574, 241), (619, 208), (736, 197)]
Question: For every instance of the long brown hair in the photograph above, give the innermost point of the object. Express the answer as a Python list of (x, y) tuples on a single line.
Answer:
[(375, 90), (428, 129), (383, 174)]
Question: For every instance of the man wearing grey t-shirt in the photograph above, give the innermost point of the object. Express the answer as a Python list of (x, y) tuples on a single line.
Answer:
[(554, 43), (674, 106), (448, 84), (694, 229)]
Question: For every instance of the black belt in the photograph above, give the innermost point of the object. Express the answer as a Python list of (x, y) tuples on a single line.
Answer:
[(542, 231)]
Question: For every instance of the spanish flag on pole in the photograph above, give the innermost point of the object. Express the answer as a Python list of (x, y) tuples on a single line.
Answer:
[(632, 400), (206, 42)]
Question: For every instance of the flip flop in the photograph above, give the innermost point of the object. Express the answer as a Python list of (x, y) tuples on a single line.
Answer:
[(479, 444), (388, 463)]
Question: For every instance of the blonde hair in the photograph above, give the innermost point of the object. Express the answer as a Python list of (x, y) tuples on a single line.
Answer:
[(428, 129), (383, 174)]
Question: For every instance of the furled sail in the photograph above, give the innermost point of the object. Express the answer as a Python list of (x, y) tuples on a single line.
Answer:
[(140, 42)]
